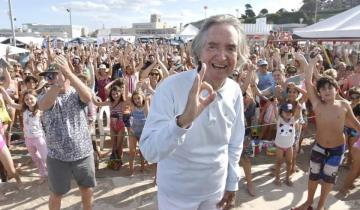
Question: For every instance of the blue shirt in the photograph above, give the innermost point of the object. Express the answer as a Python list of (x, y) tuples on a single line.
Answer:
[(198, 162), (265, 80)]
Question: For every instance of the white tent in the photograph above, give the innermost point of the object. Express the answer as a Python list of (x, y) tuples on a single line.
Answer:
[(37, 41), (344, 26), (188, 33), (13, 50), (25, 40)]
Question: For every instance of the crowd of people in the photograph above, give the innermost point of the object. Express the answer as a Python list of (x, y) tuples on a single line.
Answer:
[(193, 108)]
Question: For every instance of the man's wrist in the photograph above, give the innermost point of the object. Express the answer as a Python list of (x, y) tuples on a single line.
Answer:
[(180, 122)]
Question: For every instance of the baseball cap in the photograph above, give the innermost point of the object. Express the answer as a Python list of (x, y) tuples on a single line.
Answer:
[(51, 69), (262, 62), (291, 69), (286, 107)]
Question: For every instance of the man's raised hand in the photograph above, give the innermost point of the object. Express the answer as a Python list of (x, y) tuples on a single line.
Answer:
[(63, 65), (196, 103)]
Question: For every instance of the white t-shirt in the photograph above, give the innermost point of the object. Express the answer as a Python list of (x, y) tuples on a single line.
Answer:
[(285, 133), (32, 125)]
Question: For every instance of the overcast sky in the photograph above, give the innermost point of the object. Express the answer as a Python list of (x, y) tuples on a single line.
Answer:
[(122, 13)]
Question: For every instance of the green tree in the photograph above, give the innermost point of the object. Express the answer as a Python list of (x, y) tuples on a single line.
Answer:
[(249, 13), (248, 6), (281, 11), (263, 12), (308, 6)]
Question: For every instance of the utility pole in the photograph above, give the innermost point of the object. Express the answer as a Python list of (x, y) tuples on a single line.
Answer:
[(205, 8), (69, 11), (316, 10), (12, 24)]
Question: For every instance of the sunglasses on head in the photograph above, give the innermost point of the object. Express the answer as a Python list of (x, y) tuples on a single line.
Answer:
[(50, 76)]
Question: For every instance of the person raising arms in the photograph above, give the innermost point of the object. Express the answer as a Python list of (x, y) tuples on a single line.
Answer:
[(331, 117)]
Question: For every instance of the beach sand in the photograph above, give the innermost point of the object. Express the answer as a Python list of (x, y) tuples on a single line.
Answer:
[(116, 190)]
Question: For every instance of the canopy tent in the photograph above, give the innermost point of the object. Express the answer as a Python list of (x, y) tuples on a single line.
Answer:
[(188, 33), (56, 42), (37, 41), (343, 26), (13, 50), (78, 40), (26, 40), (104, 39)]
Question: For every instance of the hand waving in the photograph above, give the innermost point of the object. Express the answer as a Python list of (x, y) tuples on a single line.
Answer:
[(196, 103), (63, 65)]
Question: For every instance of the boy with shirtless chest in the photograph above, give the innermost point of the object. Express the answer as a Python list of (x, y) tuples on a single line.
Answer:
[(331, 117)]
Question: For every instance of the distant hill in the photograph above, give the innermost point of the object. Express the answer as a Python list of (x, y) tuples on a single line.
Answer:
[(306, 14)]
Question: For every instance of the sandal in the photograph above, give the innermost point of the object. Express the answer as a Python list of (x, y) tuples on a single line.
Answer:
[(289, 183), (277, 182)]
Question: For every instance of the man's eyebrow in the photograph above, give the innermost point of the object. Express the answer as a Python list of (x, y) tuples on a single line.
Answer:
[(212, 43), (232, 45)]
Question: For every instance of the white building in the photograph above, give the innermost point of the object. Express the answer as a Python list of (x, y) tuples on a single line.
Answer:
[(64, 31), (154, 27)]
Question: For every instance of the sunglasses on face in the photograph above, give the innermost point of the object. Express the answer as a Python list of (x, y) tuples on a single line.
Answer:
[(50, 76), (154, 74), (354, 96), (26, 74)]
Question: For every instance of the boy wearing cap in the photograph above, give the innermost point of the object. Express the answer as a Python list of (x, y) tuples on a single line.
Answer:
[(331, 117)]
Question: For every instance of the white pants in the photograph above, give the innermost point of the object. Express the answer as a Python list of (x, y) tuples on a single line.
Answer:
[(166, 202)]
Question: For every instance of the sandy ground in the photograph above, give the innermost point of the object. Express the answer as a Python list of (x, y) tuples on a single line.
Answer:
[(116, 190)]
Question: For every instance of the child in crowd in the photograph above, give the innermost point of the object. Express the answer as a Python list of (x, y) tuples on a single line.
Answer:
[(355, 153), (4, 118), (103, 77), (245, 161), (331, 115), (351, 134), (268, 118), (293, 93), (6, 160), (140, 109), (244, 78), (247, 152), (33, 132), (116, 101), (284, 141)]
